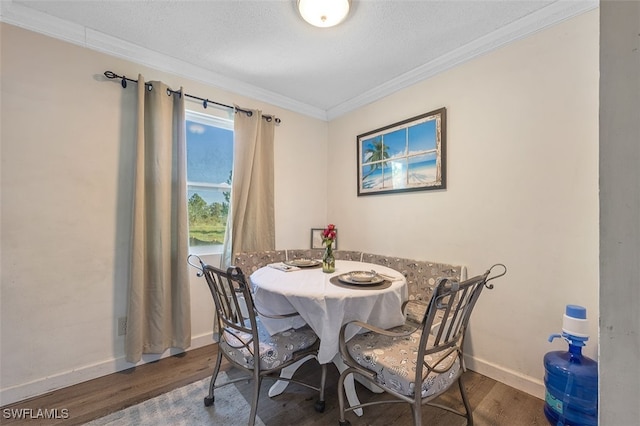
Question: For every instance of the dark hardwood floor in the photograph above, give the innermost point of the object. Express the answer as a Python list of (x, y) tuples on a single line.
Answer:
[(493, 403)]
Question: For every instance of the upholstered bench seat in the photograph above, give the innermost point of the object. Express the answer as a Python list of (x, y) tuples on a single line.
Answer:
[(421, 275), (249, 262)]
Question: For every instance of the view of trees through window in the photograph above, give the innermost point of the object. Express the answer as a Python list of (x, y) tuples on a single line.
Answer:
[(209, 173)]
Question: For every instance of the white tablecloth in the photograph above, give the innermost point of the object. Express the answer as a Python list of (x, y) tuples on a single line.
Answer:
[(325, 306)]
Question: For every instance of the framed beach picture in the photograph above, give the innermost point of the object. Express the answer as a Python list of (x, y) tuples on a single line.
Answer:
[(404, 156)]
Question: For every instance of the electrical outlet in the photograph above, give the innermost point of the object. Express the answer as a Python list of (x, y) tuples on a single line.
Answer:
[(122, 326)]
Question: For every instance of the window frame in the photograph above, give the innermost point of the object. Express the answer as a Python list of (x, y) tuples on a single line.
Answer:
[(213, 121)]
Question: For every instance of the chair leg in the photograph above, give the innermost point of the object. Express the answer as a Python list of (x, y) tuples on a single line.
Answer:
[(416, 412), (257, 380), (465, 401), (320, 405), (208, 400), (341, 395)]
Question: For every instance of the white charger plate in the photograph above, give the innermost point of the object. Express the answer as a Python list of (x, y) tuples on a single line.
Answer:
[(346, 278), (302, 263)]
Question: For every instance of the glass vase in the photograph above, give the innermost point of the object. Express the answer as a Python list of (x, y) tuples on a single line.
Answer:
[(328, 261)]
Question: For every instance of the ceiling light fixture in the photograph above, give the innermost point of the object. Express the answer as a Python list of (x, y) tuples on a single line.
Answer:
[(324, 13)]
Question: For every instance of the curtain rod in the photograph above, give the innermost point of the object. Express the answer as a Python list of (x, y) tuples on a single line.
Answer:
[(205, 101)]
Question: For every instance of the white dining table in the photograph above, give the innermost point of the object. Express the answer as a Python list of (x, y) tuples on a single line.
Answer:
[(325, 303)]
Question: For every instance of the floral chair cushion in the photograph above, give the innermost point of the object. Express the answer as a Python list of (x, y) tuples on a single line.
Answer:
[(393, 359), (274, 350)]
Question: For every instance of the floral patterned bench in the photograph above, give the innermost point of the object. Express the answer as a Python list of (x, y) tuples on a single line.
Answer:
[(249, 262), (421, 275)]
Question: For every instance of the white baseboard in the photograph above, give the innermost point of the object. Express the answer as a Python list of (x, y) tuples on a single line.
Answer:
[(87, 372), (530, 385)]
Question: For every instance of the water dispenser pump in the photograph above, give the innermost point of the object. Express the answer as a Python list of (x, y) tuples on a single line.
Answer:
[(571, 379)]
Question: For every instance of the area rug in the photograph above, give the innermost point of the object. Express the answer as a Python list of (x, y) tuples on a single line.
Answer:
[(185, 406)]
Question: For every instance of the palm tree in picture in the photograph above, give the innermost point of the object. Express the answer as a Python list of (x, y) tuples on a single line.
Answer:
[(375, 153)]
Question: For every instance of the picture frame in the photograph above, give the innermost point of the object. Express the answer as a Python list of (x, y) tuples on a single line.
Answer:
[(316, 238), (409, 155)]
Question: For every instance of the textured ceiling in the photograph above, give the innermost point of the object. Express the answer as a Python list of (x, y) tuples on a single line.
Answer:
[(265, 50)]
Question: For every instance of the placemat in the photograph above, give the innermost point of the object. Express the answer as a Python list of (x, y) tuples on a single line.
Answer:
[(336, 281)]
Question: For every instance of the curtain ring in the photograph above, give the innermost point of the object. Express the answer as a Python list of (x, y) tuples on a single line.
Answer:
[(123, 83), (204, 104)]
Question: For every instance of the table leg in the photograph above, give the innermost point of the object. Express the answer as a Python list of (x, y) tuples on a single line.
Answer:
[(278, 387)]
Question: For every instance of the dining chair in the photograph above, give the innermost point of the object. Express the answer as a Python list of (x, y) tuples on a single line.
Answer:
[(418, 361), (245, 343)]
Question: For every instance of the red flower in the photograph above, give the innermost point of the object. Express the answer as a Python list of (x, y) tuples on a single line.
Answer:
[(329, 234)]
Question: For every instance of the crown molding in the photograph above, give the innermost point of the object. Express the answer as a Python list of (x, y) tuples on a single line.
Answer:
[(36, 21), (530, 24)]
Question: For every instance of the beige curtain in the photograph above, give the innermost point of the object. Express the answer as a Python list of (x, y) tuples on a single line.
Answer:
[(251, 224), (159, 313)]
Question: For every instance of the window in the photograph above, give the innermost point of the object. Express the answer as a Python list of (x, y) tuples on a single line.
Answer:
[(209, 171)]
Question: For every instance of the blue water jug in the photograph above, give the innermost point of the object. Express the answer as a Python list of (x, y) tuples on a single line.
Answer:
[(571, 379)]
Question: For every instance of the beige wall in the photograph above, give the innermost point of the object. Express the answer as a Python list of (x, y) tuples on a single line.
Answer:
[(522, 189), (67, 146)]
